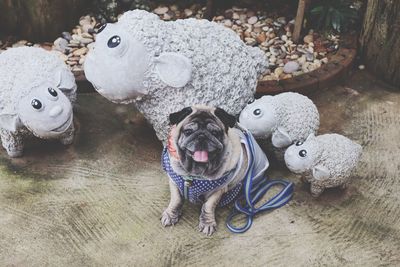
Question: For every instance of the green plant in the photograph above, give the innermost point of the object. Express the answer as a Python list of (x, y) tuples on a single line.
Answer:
[(337, 15)]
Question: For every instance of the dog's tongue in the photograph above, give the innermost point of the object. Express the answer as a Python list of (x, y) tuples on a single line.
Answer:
[(200, 156)]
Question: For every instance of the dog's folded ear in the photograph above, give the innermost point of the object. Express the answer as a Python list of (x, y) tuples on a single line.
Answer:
[(227, 119), (177, 117)]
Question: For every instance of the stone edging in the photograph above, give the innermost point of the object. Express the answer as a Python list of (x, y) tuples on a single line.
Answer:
[(327, 75)]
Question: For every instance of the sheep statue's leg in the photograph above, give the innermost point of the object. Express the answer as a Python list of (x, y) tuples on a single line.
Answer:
[(316, 190), (13, 143), (68, 137)]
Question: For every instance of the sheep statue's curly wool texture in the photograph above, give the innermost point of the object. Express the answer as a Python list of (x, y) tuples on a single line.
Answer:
[(163, 67), (36, 94), (325, 160), (285, 118)]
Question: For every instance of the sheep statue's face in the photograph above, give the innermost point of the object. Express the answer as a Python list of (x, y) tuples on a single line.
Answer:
[(117, 64), (45, 111), (259, 117), (300, 156)]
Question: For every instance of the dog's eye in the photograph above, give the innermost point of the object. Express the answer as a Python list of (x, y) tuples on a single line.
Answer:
[(251, 101), (52, 91), (299, 143), (187, 132), (303, 153), (257, 112), (114, 41), (36, 104)]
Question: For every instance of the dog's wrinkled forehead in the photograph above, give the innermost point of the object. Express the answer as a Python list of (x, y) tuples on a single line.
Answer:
[(202, 114), (200, 119)]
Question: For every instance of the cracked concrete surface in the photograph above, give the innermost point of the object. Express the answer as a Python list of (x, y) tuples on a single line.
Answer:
[(98, 202)]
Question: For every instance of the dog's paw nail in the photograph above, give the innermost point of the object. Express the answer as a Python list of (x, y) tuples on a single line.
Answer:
[(207, 228), (168, 219)]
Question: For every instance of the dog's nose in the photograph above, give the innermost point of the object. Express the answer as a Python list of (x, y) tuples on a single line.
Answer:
[(55, 111)]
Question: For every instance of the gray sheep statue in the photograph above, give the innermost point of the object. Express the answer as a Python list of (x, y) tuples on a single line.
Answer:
[(285, 118), (163, 67), (324, 161), (37, 91)]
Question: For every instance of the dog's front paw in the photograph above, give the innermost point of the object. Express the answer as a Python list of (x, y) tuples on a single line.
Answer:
[(207, 224), (169, 218), (207, 228)]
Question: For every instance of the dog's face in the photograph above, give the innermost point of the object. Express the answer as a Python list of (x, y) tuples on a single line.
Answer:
[(201, 138)]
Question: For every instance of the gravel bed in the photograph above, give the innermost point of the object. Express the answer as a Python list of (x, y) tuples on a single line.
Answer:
[(270, 33)]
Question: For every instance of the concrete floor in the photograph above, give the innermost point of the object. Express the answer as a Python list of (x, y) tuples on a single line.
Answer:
[(98, 202)]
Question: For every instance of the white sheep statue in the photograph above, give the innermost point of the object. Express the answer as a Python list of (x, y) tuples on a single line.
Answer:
[(324, 161), (36, 95), (163, 67), (285, 118)]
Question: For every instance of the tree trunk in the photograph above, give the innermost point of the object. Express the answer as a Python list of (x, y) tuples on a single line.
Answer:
[(380, 39), (39, 20)]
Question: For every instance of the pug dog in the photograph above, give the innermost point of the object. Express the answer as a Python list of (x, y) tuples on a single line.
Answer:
[(206, 158)]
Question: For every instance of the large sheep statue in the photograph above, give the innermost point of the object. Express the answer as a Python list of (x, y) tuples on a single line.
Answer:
[(325, 161), (285, 118), (163, 67), (36, 95)]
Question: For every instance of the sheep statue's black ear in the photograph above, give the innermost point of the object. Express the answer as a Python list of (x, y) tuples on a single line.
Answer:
[(227, 119), (177, 117)]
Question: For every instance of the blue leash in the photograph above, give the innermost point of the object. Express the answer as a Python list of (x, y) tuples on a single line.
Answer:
[(255, 188)]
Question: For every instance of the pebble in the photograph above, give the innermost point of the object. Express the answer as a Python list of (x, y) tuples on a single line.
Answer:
[(291, 67), (80, 51), (252, 20), (228, 23), (85, 40), (250, 41), (60, 44), (261, 37), (188, 12), (308, 38), (85, 20), (309, 56), (278, 71), (161, 10), (66, 35), (361, 67)]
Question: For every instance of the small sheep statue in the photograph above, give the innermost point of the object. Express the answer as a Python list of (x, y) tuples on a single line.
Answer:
[(36, 95), (285, 118), (163, 67), (325, 161)]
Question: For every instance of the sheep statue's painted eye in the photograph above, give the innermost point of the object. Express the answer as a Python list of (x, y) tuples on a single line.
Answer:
[(52, 91), (36, 104), (114, 41), (257, 112), (303, 153), (299, 143), (101, 27)]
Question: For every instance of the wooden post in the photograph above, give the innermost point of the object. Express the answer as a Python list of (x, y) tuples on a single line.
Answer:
[(39, 20), (380, 40), (298, 25)]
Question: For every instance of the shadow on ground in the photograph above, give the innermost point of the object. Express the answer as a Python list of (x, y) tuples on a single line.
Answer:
[(98, 202)]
